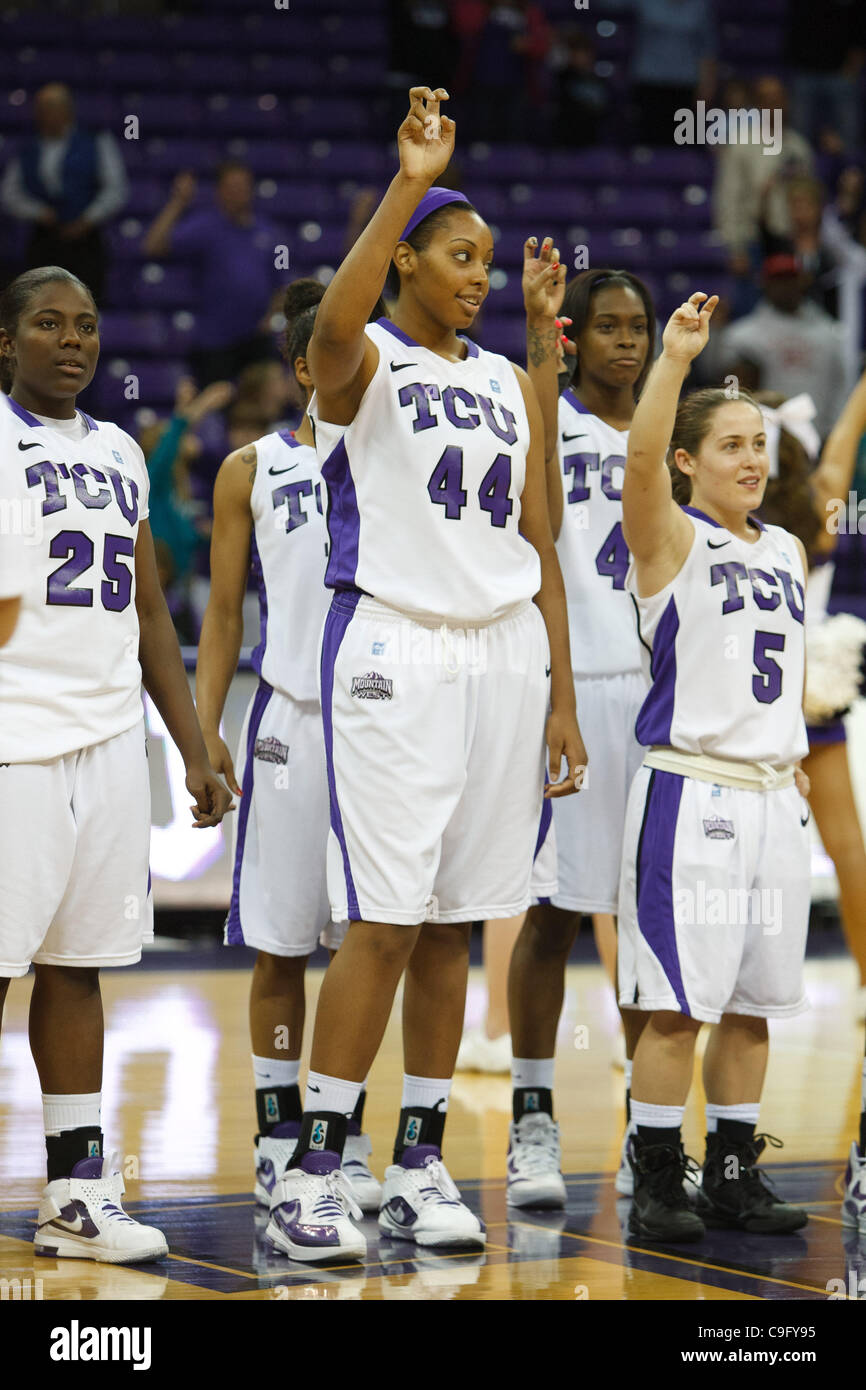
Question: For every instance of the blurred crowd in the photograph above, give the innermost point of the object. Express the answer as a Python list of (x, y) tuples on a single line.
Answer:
[(793, 226)]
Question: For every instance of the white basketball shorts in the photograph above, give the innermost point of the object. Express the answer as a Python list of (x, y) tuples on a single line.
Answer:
[(279, 893), (714, 898), (583, 846), (74, 846), (435, 744)]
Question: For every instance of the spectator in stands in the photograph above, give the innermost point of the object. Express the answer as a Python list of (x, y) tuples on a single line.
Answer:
[(235, 251), (505, 82), (787, 344), (826, 47), (750, 190), (582, 99), (673, 61), (66, 183), (849, 204)]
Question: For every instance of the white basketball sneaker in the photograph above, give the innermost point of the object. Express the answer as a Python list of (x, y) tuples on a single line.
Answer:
[(311, 1208), (421, 1202), (366, 1187), (854, 1202), (534, 1160), (272, 1156), (80, 1217)]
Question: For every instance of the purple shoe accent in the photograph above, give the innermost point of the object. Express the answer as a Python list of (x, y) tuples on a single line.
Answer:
[(74, 1219), (353, 1128), (416, 1156), (285, 1216), (400, 1212), (265, 1174), (87, 1168), (289, 1129), (320, 1163)]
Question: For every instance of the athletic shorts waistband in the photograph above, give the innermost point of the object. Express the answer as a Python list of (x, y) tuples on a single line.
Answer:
[(365, 604), (726, 772)]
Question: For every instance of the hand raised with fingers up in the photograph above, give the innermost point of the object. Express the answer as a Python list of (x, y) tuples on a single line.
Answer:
[(688, 327), (425, 140), (543, 279)]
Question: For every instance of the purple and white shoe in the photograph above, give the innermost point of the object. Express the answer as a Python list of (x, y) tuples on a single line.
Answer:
[(80, 1217), (272, 1155), (311, 1208), (421, 1202), (854, 1202)]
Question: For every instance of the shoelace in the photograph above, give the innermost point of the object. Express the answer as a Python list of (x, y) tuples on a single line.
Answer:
[(442, 1188), (114, 1213), (336, 1198), (666, 1182), (536, 1150), (755, 1177)]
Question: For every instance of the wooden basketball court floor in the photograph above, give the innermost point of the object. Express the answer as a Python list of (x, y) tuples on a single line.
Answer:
[(179, 1107)]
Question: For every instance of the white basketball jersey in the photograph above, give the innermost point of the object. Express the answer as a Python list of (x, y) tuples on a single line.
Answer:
[(69, 675), (592, 553), (288, 554), (425, 484), (723, 645)]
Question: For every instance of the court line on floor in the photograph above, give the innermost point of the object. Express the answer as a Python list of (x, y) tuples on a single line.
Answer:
[(681, 1259)]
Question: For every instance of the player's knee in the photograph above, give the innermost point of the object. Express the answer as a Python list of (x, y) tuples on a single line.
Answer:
[(388, 945), (82, 980), (549, 930), (449, 938), (277, 969)]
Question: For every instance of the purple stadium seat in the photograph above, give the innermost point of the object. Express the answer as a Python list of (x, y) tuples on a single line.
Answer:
[(173, 287), (167, 156), (589, 166), (168, 113), (122, 333), (676, 166), (157, 381), (146, 197), (292, 200), (335, 159)]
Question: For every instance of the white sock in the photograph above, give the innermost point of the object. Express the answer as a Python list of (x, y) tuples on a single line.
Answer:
[(657, 1116), (533, 1073), (275, 1071), (747, 1113), (426, 1092), (71, 1112), (628, 1070), (330, 1093)]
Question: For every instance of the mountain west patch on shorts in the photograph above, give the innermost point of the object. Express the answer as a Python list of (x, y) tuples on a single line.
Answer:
[(270, 750), (372, 686), (717, 828)]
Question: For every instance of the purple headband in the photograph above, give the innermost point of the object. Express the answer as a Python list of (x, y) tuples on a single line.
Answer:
[(434, 198)]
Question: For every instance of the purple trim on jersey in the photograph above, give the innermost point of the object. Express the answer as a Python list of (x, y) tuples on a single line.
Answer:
[(234, 932), (149, 883), (822, 735), (576, 404), (340, 614), (91, 423), (257, 656), (472, 349), (344, 521), (22, 413), (655, 859), (543, 827), (288, 438), (693, 511), (657, 711)]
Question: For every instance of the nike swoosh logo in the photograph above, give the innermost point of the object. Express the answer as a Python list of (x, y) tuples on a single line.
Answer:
[(567, 437), (806, 821), (401, 366), (717, 545), (547, 670), (34, 445), (317, 1089), (275, 471)]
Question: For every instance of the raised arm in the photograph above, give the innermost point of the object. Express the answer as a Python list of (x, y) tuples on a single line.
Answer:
[(654, 527), (563, 735), (543, 291), (832, 478), (223, 625), (341, 358)]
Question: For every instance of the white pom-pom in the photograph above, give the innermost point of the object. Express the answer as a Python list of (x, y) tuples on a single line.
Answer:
[(834, 653)]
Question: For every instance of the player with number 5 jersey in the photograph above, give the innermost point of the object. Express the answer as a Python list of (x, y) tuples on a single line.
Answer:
[(714, 895), (445, 645), (74, 787)]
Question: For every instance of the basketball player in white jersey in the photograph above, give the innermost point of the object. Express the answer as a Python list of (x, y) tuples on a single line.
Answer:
[(613, 328), (437, 671), (714, 894), (805, 499), (269, 513), (74, 790), (13, 554)]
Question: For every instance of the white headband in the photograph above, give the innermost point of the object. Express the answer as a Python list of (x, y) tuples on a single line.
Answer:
[(795, 416)]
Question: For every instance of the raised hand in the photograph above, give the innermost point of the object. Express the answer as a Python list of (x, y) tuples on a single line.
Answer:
[(425, 140), (543, 279), (688, 327)]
